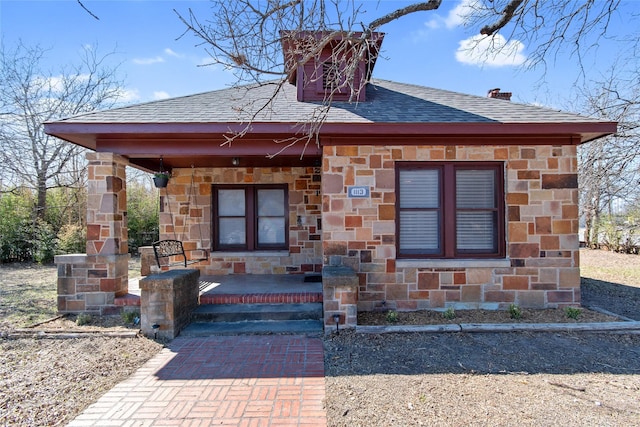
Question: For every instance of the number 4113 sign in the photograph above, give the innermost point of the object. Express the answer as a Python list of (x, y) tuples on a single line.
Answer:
[(358, 192)]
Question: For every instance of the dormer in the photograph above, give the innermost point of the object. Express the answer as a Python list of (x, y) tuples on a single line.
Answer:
[(332, 66)]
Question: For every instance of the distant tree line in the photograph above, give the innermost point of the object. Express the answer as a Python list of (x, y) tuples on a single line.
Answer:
[(26, 236)]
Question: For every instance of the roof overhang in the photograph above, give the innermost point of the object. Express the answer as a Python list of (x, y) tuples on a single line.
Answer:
[(272, 144)]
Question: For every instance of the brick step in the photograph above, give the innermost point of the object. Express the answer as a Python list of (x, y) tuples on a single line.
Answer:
[(128, 300), (264, 298), (203, 329), (254, 312)]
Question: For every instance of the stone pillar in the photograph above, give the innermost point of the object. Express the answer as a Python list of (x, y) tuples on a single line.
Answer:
[(167, 301), (102, 274), (148, 263), (340, 296)]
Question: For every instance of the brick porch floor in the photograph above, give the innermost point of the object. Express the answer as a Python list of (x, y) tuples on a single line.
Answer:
[(275, 380)]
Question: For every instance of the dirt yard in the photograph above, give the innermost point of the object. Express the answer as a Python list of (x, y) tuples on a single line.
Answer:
[(372, 380), (499, 379)]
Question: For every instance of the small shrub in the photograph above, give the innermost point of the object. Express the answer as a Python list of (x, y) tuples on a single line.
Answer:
[(572, 312), (132, 317), (449, 313), (392, 316), (83, 319), (515, 312), (72, 239)]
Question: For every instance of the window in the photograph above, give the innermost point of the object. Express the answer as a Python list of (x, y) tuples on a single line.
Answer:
[(250, 217), (450, 210)]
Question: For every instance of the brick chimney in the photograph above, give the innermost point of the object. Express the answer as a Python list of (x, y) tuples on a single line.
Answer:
[(317, 60), (495, 93)]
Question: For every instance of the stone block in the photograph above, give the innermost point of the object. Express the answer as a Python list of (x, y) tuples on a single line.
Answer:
[(427, 281), (554, 181), (515, 283), (530, 299), (524, 250)]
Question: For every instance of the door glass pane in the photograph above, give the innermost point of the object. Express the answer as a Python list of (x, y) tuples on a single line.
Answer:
[(231, 202), (420, 188), (232, 231), (271, 202), (476, 231), (475, 189), (419, 232), (271, 231)]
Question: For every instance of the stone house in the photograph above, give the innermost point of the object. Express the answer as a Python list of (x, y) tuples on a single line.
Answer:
[(435, 199)]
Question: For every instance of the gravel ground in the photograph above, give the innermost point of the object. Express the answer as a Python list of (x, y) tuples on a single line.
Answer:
[(524, 379), (448, 379)]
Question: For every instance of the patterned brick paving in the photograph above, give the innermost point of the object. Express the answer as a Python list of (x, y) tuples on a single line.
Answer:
[(220, 380)]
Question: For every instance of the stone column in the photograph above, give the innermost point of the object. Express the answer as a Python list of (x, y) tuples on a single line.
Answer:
[(107, 239), (89, 283), (340, 297)]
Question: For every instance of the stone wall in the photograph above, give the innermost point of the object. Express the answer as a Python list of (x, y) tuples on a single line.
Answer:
[(186, 215), (542, 264)]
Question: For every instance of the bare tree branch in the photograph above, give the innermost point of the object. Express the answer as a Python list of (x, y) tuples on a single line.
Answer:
[(29, 96), (87, 10), (507, 15)]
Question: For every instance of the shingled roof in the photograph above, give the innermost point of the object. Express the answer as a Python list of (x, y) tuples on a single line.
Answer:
[(191, 130), (387, 102)]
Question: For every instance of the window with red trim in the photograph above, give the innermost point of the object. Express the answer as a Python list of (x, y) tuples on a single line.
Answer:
[(450, 210), (250, 217)]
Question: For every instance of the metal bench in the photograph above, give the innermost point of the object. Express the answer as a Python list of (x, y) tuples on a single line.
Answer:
[(169, 248)]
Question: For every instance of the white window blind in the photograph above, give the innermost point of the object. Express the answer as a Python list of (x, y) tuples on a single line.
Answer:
[(419, 211), (476, 220), (420, 188)]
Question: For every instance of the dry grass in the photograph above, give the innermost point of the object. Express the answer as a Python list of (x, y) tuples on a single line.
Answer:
[(391, 380), (623, 269)]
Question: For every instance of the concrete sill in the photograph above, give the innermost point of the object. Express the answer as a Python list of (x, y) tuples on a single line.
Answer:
[(453, 263)]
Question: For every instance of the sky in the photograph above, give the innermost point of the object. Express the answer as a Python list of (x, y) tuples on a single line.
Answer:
[(157, 60)]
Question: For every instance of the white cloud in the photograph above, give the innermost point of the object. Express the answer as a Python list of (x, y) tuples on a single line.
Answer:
[(492, 51), (171, 52), (148, 61), (128, 95), (456, 17), (160, 95)]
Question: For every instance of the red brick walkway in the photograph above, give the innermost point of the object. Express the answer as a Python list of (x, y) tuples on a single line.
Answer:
[(275, 380)]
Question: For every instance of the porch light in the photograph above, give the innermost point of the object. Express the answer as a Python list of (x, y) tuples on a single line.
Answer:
[(336, 318), (155, 327), (235, 161)]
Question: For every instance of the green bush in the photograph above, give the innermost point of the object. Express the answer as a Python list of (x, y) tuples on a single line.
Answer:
[(16, 227), (449, 313), (72, 239), (392, 316), (573, 312), (515, 312), (43, 242), (143, 215)]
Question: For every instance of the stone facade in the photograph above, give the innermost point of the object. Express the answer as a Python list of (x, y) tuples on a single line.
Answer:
[(186, 216), (542, 264), (90, 282)]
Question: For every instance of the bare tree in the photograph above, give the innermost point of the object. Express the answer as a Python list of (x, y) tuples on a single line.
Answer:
[(30, 96), (247, 36), (609, 168)]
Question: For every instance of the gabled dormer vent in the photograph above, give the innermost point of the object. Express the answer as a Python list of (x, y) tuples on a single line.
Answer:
[(330, 76), (330, 66)]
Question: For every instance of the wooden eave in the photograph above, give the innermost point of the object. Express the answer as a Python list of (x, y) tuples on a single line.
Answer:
[(204, 144)]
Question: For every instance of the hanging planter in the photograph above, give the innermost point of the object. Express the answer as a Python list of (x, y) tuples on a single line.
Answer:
[(161, 179)]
